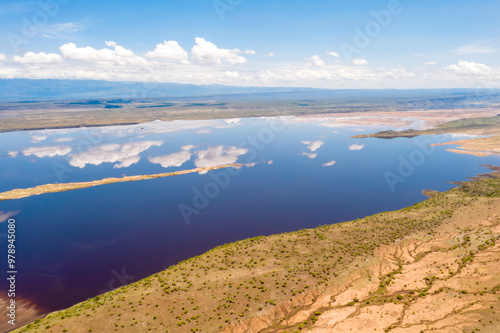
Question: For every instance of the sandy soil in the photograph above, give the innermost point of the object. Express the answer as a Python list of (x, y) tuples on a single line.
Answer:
[(477, 146), (62, 187)]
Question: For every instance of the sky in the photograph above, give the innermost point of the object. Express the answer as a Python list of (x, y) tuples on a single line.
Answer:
[(282, 43)]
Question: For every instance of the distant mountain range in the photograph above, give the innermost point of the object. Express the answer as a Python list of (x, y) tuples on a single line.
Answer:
[(19, 90)]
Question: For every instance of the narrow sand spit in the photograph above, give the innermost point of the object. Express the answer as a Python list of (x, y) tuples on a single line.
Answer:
[(53, 188)]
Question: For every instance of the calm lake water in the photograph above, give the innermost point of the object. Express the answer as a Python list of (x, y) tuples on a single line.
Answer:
[(297, 174)]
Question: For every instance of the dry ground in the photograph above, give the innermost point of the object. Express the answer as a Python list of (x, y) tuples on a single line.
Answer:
[(429, 267)]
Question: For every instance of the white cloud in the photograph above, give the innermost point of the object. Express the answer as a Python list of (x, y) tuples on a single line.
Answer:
[(123, 155), (118, 56), (465, 67), (359, 62), (3, 58), (313, 145), (270, 54), (4, 216), (315, 61), (205, 52), (329, 163), (172, 160), (356, 147), (249, 51), (333, 54), (232, 120), (232, 74), (204, 131), (310, 155), (37, 138), (214, 156), (64, 139), (482, 47), (47, 151), (115, 63), (170, 50), (63, 30), (38, 58), (430, 63)]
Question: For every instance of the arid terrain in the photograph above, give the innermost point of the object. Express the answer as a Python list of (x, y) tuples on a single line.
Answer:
[(429, 267), (393, 109)]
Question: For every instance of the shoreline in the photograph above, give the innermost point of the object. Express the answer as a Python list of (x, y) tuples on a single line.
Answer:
[(379, 272), (31, 121), (475, 146)]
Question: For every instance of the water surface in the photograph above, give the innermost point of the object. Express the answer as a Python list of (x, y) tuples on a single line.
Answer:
[(296, 174)]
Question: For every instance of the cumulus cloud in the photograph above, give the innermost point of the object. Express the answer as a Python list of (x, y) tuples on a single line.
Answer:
[(38, 58), (356, 147), (124, 155), (310, 155), (359, 62), (333, 54), (205, 52), (233, 74), (173, 160), (327, 164), (116, 56), (315, 61), (170, 50), (4, 216), (115, 63), (270, 54), (249, 51), (430, 63), (465, 67), (47, 151), (313, 145), (214, 156)]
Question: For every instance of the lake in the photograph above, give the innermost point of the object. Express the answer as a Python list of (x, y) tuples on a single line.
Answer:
[(296, 173)]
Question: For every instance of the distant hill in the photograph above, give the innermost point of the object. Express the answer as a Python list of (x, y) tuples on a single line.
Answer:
[(49, 89), (26, 89)]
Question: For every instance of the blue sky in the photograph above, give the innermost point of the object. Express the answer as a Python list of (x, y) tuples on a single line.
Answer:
[(412, 44)]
